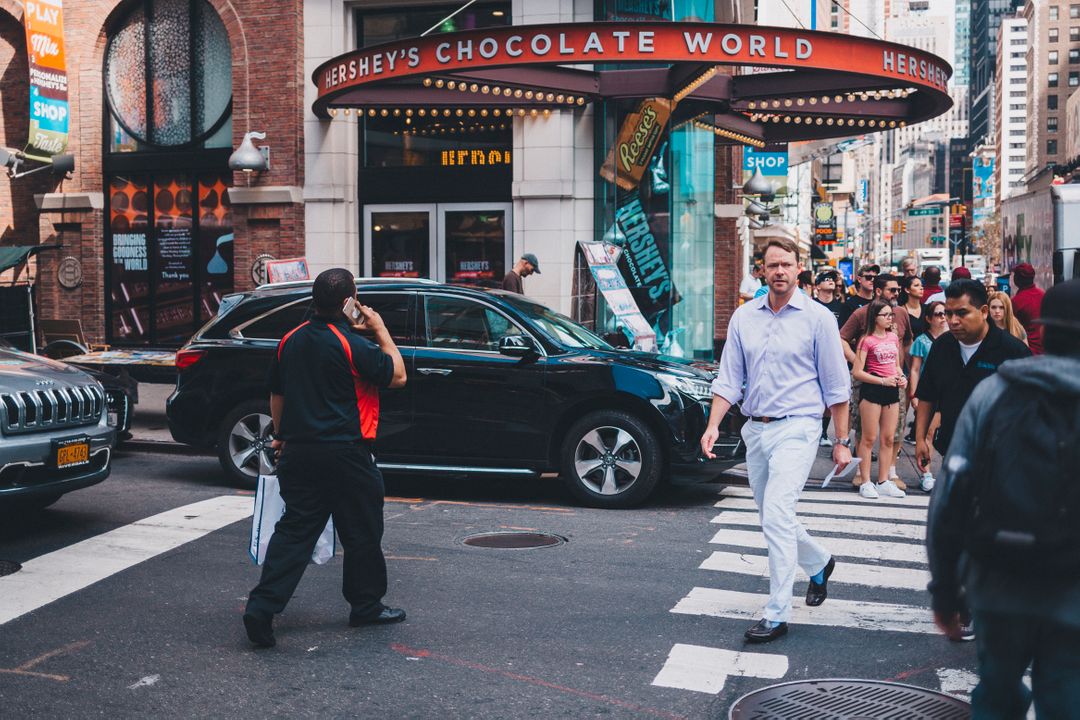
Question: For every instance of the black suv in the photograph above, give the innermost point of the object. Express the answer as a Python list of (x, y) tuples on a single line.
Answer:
[(498, 385)]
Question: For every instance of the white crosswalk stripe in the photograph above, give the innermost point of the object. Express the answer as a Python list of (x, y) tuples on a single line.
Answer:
[(57, 574), (842, 548), (845, 526), (845, 573), (820, 508), (706, 669), (835, 612), (886, 551), (909, 500)]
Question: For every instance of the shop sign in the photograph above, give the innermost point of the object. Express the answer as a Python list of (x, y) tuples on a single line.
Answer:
[(644, 267), (602, 261), (824, 223), (49, 109), (640, 134), (667, 42), (771, 165), (474, 158)]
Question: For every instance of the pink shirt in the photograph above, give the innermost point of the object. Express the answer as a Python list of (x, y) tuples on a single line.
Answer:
[(881, 353)]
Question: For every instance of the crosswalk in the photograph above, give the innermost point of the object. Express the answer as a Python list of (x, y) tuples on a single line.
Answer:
[(880, 550)]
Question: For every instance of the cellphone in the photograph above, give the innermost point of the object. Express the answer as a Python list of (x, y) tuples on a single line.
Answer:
[(352, 310)]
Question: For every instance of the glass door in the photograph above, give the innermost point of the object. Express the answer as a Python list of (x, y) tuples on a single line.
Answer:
[(463, 243), (474, 243), (399, 241)]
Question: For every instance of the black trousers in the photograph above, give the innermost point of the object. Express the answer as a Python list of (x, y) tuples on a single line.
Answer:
[(318, 481)]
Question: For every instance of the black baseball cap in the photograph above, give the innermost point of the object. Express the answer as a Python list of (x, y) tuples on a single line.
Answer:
[(531, 259), (827, 275)]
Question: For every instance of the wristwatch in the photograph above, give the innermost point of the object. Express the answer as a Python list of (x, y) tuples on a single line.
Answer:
[(846, 442)]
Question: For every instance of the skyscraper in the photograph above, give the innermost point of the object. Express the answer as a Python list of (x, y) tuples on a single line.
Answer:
[(985, 21)]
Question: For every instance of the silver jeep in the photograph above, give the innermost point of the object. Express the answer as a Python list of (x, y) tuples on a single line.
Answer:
[(54, 431)]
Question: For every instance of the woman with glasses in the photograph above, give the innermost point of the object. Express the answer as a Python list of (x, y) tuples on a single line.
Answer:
[(1001, 312), (877, 367), (937, 325)]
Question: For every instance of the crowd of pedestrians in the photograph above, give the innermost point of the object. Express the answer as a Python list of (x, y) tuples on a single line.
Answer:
[(1004, 520)]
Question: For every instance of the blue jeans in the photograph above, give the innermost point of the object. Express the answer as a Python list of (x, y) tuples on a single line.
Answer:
[(1007, 644)]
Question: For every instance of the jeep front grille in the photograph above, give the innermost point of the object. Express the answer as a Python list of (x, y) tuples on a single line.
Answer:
[(41, 410)]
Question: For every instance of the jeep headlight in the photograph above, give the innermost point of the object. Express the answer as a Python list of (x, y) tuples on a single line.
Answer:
[(694, 387)]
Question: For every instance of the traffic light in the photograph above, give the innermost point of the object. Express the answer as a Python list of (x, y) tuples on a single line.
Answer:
[(903, 226)]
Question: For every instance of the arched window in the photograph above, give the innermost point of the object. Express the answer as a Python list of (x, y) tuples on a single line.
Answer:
[(168, 135), (168, 77)]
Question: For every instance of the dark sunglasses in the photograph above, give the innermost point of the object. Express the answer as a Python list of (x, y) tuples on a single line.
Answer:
[(868, 276), (939, 313)]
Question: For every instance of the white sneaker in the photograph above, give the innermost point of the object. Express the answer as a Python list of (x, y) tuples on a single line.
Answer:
[(927, 483), (824, 442), (868, 491), (889, 489)]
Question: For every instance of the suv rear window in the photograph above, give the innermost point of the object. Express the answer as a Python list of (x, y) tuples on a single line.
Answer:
[(276, 324)]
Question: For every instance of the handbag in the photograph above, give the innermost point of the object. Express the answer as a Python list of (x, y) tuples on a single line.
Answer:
[(269, 507)]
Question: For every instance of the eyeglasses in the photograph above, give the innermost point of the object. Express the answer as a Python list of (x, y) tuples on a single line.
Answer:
[(868, 276), (939, 313)]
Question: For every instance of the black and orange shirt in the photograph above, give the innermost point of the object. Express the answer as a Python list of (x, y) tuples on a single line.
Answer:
[(330, 378)]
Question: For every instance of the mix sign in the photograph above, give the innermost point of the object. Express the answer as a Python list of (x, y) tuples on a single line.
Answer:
[(49, 109)]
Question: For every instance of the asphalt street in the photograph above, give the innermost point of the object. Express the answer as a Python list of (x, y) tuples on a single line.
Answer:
[(639, 613)]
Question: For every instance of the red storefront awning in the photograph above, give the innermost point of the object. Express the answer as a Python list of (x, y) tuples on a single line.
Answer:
[(797, 85)]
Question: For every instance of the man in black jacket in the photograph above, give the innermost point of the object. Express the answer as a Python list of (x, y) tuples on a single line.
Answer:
[(1003, 524), (958, 361), (324, 401)]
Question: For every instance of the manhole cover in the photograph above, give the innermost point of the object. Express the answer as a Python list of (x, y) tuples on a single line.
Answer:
[(848, 700), (514, 540), (9, 567)]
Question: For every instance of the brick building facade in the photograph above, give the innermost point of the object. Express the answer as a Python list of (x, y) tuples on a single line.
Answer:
[(310, 202)]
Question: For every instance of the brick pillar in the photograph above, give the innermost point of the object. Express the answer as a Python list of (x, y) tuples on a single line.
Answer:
[(275, 229), (728, 260), (80, 227)]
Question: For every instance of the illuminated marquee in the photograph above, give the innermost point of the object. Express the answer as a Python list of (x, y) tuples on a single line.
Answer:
[(457, 158), (565, 44)]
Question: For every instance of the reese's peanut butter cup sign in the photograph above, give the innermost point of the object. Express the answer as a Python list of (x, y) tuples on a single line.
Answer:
[(641, 132)]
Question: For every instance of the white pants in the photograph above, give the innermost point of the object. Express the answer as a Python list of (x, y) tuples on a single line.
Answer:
[(779, 457)]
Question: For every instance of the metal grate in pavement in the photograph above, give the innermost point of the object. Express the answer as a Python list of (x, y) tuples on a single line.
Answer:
[(514, 540), (848, 700)]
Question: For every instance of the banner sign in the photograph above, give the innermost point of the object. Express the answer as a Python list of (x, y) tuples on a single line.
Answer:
[(824, 223), (771, 165), (602, 260), (49, 110), (614, 42), (643, 263), (983, 178), (641, 132)]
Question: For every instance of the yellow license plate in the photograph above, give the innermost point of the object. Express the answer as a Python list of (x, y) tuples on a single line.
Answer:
[(69, 455)]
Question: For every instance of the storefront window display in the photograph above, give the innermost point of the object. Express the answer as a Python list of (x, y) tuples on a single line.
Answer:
[(655, 202), (169, 240)]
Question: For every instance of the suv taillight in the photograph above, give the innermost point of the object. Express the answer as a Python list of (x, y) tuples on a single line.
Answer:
[(187, 358)]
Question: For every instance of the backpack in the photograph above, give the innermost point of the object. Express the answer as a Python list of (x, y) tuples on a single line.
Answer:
[(1024, 493)]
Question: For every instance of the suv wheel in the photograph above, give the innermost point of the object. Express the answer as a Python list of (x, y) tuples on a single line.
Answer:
[(244, 443), (611, 459)]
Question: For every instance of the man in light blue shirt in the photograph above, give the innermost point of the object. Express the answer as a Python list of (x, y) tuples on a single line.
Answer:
[(784, 362)]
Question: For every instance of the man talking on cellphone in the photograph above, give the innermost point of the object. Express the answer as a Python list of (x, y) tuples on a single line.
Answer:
[(324, 400)]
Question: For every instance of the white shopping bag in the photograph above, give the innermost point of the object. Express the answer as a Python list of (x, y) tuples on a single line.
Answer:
[(269, 507)]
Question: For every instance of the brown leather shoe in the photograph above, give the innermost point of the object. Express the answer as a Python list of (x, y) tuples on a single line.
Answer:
[(899, 483)]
